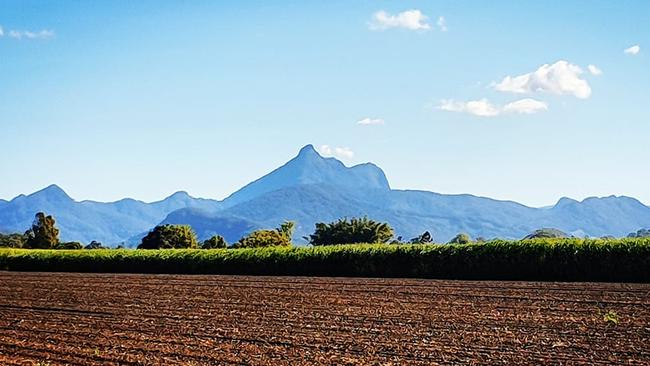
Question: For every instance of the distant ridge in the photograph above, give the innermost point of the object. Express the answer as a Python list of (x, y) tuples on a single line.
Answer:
[(310, 188)]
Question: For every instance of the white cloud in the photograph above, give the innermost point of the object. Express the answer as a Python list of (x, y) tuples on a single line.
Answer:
[(337, 152), (2, 31), (442, 24), (594, 70), (483, 108), (370, 121), (43, 34), (409, 19), (632, 50), (525, 106), (559, 78)]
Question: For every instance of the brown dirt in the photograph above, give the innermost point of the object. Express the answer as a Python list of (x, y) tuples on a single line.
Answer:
[(83, 319)]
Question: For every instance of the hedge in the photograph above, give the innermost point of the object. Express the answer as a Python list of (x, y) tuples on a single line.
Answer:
[(621, 260)]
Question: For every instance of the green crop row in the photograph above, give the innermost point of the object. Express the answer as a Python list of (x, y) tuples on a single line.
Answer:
[(621, 260)]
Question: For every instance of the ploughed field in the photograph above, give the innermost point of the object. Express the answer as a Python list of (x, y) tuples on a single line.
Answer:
[(81, 319)]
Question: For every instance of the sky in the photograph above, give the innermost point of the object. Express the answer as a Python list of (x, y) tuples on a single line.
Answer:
[(523, 101)]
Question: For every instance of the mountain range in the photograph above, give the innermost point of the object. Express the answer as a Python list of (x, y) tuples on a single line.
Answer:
[(310, 188)]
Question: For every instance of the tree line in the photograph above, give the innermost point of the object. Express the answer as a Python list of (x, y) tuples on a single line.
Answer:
[(44, 234)]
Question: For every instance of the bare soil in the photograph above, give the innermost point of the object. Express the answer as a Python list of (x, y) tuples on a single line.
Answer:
[(118, 319)]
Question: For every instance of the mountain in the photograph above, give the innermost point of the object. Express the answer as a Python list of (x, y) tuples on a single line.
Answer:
[(311, 168), (597, 216), (84, 221), (310, 188)]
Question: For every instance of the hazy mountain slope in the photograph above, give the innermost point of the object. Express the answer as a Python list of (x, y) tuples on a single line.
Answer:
[(611, 215), (409, 212), (84, 221), (207, 224), (412, 212)]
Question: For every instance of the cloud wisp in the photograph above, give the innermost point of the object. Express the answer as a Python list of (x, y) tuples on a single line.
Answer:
[(483, 108), (560, 78), (594, 70), (336, 151), (634, 50), (26, 34), (43, 34), (442, 24), (370, 121), (410, 19), (525, 106)]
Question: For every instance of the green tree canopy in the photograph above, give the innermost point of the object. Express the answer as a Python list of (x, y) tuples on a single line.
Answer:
[(214, 242), (546, 233), (287, 229), (643, 233), (461, 238), (422, 239), (95, 245), (12, 240), (43, 234), (68, 245), (268, 238), (356, 230), (170, 237)]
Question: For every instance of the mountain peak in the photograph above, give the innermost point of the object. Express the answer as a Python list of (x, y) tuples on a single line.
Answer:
[(565, 201), (179, 195), (52, 192), (308, 150), (309, 167), (53, 188)]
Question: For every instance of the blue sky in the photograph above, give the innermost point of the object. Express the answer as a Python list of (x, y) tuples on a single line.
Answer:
[(141, 99)]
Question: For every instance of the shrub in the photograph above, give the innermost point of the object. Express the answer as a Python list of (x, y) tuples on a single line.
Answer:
[(461, 238), (642, 233), (12, 240), (68, 245), (214, 242), (43, 234), (610, 317), (268, 238), (422, 239), (546, 233), (95, 245), (169, 237), (356, 230), (287, 229), (265, 238)]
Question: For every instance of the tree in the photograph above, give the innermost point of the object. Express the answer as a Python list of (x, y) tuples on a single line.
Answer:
[(214, 242), (287, 229), (43, 234), (356, 230), (169, 237), (461, 238), (422, 239), (68, 245), (94, 245), (643, 233), (546, 233), (12, 240), (268, 238)]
